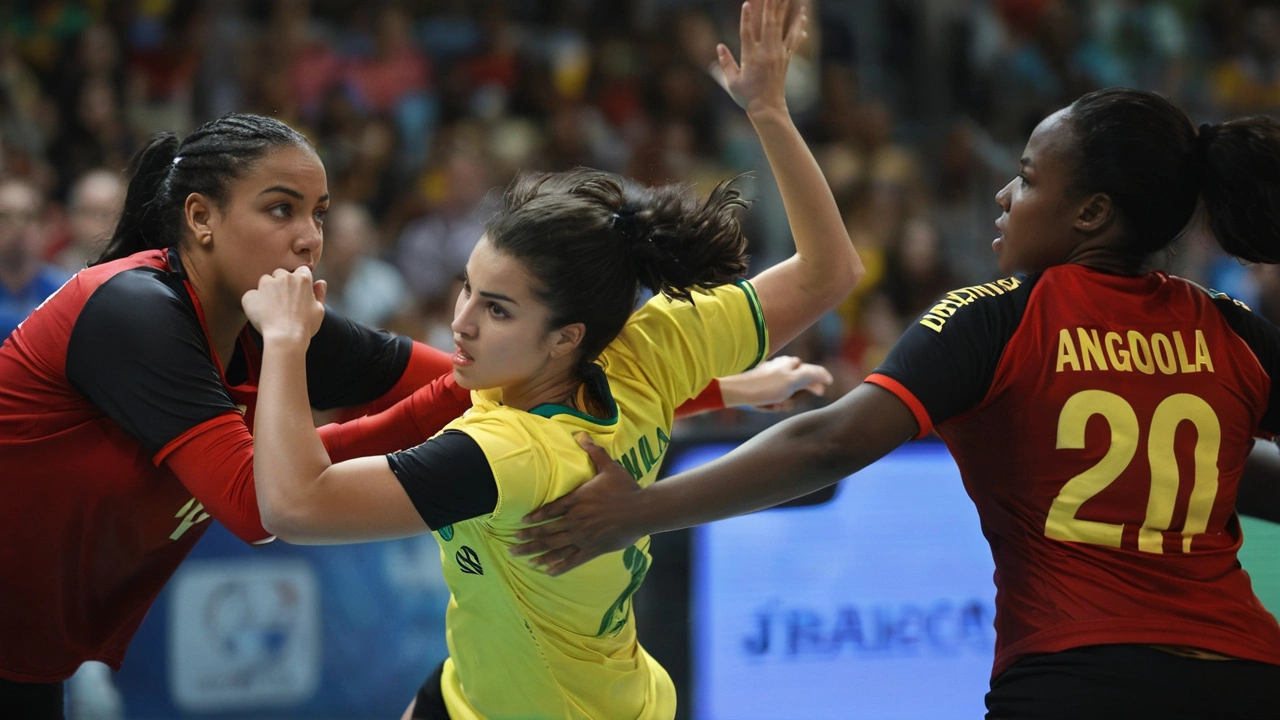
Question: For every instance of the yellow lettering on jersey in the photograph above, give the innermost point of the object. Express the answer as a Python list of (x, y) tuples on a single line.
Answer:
[(1184, 362), (1091, 349), (1119, 357), (1163, 353), (191, 513), (1202, 352), (1066, 351), (1140, 351), (1144, 352), (947, 306)]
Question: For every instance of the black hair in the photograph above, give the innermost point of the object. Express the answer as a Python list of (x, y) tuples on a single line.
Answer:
[(165, 171), (1145, 153), (592, 239)]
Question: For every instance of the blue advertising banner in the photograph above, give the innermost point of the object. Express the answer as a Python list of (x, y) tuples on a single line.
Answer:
[(876, 604), (280, 632)]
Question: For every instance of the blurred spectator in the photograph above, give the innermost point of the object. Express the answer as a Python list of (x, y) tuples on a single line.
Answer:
[(25, 279), (93, 207), (361, 287), (25, 113), (394, 69), (968, 170), (433, 249), (1053, 61), (916, 272), (1248, 79), (1148, 38), (96, 137)]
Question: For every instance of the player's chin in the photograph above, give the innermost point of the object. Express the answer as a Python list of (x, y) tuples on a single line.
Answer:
[(465, 379)]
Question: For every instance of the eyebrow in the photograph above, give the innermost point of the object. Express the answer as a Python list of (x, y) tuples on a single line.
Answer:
[(497, 296), (290, 192), (1026, 162)]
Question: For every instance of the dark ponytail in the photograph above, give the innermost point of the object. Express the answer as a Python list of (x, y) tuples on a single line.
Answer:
[(592, 239), (1139, 149), (1143, 152), (142, 225), (1241, 186), (164, 172)]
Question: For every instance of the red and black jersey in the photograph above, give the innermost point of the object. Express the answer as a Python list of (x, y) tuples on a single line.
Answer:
[(1101, 424), (121, 435)]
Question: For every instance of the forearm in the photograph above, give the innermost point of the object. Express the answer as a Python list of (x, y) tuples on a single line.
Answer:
[(407, 423), (288, 454), (789, 460), (1259, 493), (831, 267)]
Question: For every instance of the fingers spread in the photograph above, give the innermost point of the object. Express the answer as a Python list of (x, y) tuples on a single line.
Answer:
[(746, 32), (796, 34), (539, 540), (550, 511), (728, 65), (570, 561)]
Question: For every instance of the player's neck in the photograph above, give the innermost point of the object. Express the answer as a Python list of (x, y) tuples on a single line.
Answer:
[(551, 388), (224, 318)]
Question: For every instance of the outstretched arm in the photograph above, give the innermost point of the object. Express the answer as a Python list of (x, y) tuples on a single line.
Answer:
[(1259, 494), (791, 459), (825, 267)]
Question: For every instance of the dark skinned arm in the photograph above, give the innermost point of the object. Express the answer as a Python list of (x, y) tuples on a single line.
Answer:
[(793, 458), (1259, 493)]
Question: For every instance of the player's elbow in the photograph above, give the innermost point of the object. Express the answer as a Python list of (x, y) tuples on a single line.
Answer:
[(832, 279), (286, 520)]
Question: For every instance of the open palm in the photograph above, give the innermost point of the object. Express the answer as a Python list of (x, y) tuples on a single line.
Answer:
[(768, 41)]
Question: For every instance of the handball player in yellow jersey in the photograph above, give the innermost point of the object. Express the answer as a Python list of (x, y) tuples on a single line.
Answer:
[(549, 345)]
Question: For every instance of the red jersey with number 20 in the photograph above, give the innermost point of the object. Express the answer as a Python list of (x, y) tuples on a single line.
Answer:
[(1101, 424)]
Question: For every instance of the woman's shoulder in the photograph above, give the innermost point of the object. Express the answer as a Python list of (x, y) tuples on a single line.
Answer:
[(140, 278)]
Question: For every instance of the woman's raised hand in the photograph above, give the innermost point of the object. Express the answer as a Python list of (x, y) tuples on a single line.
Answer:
[(286, 305), (768, 41)]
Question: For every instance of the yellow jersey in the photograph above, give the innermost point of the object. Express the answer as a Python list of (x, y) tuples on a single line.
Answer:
[(523, 644)]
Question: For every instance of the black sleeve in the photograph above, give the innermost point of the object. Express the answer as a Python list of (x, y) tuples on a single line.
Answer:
[(350, 364), (448, 478), (1263, 338), (138, 353), (948, 357)]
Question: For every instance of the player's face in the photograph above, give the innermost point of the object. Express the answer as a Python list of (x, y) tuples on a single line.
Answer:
[(499, 324), (272, 219), (1036, 223), (20, 236)]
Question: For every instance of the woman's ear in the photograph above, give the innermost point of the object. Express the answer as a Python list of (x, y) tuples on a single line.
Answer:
[(1095, 214), (567, 339), (198, 212)]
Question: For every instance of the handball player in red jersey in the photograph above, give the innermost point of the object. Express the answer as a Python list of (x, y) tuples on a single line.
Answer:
[(127, 399), (1100, 415)]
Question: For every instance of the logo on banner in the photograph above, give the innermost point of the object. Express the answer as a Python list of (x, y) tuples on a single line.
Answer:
[(243, 634)]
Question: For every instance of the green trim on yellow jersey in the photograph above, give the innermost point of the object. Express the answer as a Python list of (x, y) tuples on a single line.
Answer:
[(597, 384), (758, 315)]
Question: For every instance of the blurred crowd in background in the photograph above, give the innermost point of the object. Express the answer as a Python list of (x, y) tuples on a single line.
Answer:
[(917, 111)]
